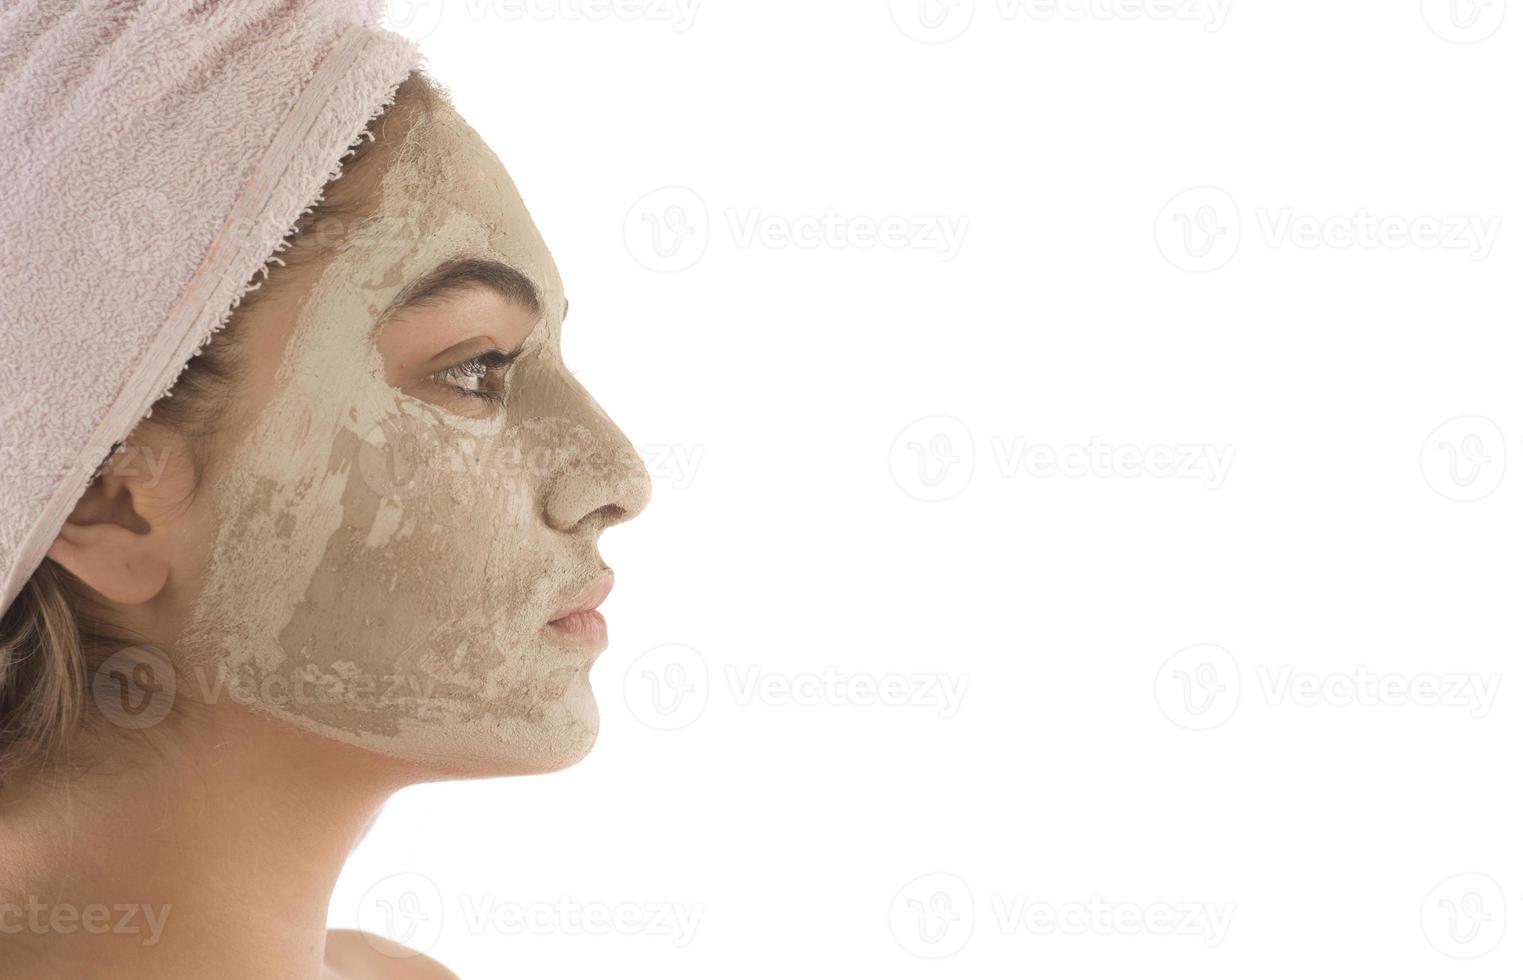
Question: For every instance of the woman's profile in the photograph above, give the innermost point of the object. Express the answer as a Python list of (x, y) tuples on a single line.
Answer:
[(301, 525)]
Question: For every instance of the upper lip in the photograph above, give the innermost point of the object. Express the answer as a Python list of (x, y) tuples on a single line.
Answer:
[(587, 598)]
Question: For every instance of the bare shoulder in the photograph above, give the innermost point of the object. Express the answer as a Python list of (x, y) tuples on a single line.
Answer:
[(355, 955)]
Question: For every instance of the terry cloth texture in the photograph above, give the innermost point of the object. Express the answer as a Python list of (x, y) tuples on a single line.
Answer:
[(157, 154)]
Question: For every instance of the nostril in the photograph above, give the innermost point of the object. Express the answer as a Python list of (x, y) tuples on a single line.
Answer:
[(598, 518), (610, 514), (588, 492)]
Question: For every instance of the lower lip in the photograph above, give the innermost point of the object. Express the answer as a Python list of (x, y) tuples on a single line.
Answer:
[(583, 630)]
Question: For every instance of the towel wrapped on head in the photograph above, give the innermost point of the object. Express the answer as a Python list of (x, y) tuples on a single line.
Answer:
[(158, 154)]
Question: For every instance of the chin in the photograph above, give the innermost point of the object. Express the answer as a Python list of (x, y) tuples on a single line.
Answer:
[(541, 728), (572, 752), (566, 753), (572, 743), (550, 743)]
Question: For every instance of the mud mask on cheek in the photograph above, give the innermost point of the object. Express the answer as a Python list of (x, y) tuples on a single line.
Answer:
[(381, 570)]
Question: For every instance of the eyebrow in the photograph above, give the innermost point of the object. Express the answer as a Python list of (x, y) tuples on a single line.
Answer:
[(457, 276)]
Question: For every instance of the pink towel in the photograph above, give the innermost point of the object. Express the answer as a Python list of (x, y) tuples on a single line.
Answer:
[(155, 155)]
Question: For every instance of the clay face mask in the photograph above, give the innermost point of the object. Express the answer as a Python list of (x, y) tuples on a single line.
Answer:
[(383, 566)]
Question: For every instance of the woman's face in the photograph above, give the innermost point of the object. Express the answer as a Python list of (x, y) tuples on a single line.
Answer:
[(412, 493)]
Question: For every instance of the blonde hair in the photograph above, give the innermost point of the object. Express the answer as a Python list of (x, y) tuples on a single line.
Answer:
[(53, 637)]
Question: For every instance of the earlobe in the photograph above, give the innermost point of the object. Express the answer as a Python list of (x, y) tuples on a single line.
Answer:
[(121, 564)]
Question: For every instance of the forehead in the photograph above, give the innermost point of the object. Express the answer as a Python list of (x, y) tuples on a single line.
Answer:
[(450, 197)]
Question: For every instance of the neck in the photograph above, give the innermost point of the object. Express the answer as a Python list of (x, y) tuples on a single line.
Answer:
[(216, 855)]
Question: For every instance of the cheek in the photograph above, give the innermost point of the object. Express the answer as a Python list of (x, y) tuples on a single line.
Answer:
[(405, 573), (435, 558)]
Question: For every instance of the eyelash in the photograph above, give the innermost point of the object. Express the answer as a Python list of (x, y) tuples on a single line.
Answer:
[(478, 369)]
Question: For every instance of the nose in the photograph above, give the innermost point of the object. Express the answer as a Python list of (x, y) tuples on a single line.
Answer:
[(599, 479)]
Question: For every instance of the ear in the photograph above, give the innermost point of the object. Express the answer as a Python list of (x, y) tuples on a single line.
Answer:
[(109, 541)]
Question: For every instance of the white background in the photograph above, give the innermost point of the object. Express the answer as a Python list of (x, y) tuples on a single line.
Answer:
[(851, 649)]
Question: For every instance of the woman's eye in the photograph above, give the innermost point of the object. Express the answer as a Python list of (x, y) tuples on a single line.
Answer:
[(482, 377)]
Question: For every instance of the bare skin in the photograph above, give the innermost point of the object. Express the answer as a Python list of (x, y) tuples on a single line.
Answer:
[(229, 825)]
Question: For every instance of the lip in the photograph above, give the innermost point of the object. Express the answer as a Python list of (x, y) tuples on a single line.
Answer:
[(578, 623)]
